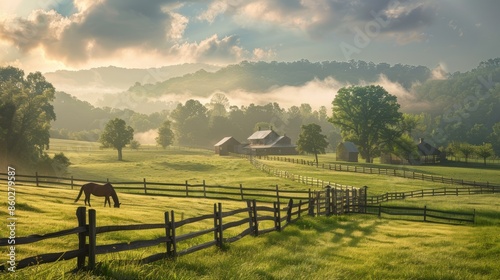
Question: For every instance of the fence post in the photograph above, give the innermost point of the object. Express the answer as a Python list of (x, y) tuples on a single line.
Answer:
[(36, 178), (218, 224), (365, 202), (289, 211), (254, 210), (277, 216), (92, 238), (168, 234), (425, 213), (311, 207), (71, 181), (327, 200), (379, 210), (252, 215), (204, 190), (172, 234), (82, 222), (144, 182), (277, 194), (241, 191), (187, 190)]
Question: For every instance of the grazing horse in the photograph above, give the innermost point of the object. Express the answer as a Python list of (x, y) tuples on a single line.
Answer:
[(105, 190)]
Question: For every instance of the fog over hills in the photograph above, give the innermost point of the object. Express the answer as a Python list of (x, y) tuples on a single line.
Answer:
[(288, 83), (92, 84)]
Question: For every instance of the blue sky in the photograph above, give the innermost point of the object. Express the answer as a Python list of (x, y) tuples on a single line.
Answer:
[(63, 34)]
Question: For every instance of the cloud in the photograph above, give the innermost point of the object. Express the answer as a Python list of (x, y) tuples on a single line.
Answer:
[(108, 29), (318, 18), (211, 50)]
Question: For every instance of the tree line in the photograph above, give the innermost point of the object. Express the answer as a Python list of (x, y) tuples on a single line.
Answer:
[(369, 116)]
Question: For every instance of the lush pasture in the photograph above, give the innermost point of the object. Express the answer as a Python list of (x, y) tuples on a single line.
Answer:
[(347, 247)]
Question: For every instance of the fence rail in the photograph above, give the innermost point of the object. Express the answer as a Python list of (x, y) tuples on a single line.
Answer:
[(331, 201), (185, 189), (383, 171), (461, 190), (426, 214), (253, 216)]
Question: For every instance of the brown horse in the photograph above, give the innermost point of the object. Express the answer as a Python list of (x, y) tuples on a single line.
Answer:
[(105, 190)]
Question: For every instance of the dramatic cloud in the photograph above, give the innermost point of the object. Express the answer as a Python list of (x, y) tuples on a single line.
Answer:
[(401, 19), (106, 29)]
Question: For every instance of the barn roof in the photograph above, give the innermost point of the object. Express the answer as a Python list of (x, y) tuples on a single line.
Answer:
[(280, 142), (350, 147), (224, 140), (261, 134), (426, 149)]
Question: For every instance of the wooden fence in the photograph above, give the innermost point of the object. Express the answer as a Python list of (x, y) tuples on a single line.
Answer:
[(425, 214), (309, 181), (185, 189), (461, 190), (328, 202), (465, 189), (384, 171)]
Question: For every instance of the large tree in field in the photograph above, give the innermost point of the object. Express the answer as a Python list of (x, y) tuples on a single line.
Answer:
[(312, 141), (116, 135), (165, 135), (25, 115), (368, 116)]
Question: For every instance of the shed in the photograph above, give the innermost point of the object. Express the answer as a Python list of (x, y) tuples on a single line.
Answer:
[(227, 145), (347, 151), (428, 153)]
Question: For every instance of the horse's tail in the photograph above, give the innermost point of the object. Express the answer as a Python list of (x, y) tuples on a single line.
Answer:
[(79, 194)]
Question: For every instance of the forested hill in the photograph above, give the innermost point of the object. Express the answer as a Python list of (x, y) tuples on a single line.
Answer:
[(260, 77), (465, 106)]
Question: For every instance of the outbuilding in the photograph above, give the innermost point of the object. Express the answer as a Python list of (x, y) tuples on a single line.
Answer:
[(347, 151), (227, 145)]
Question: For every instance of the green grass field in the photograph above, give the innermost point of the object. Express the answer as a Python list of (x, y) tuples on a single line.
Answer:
[(344, 247)]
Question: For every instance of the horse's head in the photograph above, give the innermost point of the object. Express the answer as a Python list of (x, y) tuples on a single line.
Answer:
[(117, 205)]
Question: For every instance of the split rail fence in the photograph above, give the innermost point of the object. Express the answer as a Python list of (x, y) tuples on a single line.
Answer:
[(329, 202), (245, 221), (383, 171), (424, 214), (465, 189), (186, 189)]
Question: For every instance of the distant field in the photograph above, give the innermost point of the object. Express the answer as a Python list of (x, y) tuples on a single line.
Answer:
[(345, 247)]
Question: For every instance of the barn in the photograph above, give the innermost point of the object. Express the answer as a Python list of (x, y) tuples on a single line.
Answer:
[(268, 142), (227, 145), (347, 151), (428, 153)]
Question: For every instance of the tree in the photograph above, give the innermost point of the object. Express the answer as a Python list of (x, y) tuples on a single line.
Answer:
[(116, 134), (367, 116), (312, 141), (466, 150), (25, 115), (190, 122), (165, 135), (485, 151)]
